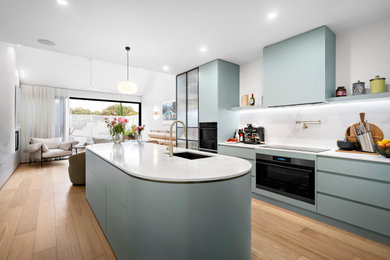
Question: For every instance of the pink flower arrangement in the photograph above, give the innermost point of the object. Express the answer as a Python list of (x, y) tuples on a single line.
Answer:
[(139, 129), (116, 126)]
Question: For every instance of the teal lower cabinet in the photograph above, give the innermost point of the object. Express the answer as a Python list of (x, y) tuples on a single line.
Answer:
[(244, 153), (356, 192), (355, 213)]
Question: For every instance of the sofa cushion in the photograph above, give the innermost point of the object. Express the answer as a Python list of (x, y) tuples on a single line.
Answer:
[(31, 148), (65, 146), (56, 153), (45, 148), (51, 143)]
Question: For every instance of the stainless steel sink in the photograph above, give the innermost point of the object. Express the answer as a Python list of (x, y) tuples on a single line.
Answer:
[(191, 156)]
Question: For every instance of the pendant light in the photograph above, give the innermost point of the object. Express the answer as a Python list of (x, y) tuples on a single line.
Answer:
[(127, 87)]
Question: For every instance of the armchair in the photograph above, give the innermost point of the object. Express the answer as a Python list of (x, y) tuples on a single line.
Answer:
[(40, 149)]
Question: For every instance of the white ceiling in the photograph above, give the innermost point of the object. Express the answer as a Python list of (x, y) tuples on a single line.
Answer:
[(170, 32)]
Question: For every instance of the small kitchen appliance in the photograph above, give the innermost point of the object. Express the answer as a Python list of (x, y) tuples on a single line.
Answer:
[(253, 135)]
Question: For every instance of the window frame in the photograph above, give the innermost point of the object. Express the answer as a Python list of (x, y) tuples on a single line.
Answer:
[(116, 101)]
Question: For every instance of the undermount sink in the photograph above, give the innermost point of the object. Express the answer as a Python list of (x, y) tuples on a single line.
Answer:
[(191, 156)]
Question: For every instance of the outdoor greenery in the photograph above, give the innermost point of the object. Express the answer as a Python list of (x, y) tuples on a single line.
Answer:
[(113, 110)]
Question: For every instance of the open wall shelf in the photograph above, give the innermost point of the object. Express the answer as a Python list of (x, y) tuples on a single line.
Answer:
[(333, 100)]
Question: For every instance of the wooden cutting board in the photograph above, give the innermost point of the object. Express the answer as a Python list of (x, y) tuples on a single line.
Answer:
[(377, 133)]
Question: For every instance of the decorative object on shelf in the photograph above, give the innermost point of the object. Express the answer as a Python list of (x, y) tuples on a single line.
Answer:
[(127, 87), (168, 111), (377, 85), (252, 100), (358, 88), (306, 123), (353, 130), (138, 130), (244, 100), (117, 128), (341, 91), (260, 103), (383, 147)]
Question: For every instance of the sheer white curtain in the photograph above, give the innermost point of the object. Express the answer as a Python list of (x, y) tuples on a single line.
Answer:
[(37, 114), (61, 114)]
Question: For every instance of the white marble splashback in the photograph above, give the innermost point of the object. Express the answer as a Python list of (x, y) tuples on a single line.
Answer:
[(281, 128)]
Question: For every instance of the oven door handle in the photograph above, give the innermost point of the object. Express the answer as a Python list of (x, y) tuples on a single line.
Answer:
[(285, 167)]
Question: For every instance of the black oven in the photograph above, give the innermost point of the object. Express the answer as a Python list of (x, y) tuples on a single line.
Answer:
[(290, 177), (208, 137)]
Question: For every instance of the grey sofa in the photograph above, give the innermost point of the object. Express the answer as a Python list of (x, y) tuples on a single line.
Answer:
[(41, 149)]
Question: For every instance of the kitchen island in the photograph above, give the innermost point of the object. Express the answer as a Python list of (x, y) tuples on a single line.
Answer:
[(152, 206)]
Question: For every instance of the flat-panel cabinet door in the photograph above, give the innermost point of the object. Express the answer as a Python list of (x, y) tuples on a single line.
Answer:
[(117, 226), (96, 196)]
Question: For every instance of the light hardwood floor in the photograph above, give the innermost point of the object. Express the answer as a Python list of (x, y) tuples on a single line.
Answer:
[(42, 216)]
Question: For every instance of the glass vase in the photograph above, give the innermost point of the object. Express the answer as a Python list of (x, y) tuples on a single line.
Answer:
[(117, 138), (139, 138)]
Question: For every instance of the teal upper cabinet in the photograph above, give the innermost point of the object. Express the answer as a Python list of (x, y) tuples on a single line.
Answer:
[(208, 92), (301, 69), (219, 90)]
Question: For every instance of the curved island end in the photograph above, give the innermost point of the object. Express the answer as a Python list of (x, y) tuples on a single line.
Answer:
[(152, 206)]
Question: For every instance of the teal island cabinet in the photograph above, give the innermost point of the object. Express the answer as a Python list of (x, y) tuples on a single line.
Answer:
[(152, 206)]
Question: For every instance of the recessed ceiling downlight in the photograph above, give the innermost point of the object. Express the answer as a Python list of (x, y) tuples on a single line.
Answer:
[(272, 15), (46, 42), (62, 2)]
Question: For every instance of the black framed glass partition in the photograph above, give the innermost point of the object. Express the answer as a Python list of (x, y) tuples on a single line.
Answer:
[(187, 100)]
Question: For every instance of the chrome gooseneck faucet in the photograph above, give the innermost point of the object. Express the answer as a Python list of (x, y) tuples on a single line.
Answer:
[(170, 139)]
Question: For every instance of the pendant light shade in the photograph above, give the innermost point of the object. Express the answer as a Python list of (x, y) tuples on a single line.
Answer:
[(127, 87)]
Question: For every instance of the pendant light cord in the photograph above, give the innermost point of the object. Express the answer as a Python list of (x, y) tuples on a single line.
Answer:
[(127, 49)]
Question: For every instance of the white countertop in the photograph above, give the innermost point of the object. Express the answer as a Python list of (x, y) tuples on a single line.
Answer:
[(356, 156), (152, 162), (331, 153), (242, 145)]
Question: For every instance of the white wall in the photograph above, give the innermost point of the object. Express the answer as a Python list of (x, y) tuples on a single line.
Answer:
[(361, 53), (55, 69), (9, 159), (163, 89), (251, 79), (7, 101)]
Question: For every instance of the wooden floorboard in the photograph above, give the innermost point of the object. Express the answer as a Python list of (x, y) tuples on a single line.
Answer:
[(42, 216)]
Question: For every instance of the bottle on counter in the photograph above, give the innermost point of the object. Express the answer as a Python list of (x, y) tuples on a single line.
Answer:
[(241, 140), (236, 136), (252, 100)]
